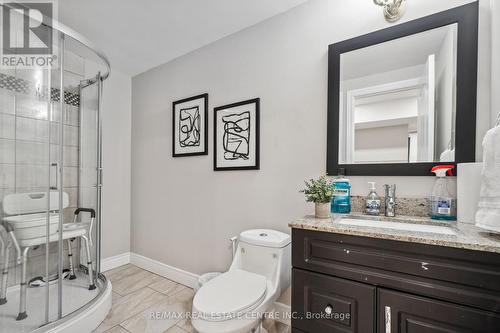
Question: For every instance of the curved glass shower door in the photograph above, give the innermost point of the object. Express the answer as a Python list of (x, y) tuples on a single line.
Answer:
[(50, 187), (82, 87), (30, 198)]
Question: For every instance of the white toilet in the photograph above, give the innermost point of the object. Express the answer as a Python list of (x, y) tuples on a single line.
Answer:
[(235, 301)]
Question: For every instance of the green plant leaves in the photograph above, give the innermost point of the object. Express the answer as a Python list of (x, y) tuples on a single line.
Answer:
[(318, 191)]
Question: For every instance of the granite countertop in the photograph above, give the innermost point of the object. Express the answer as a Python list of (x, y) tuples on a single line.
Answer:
[(467, 236)]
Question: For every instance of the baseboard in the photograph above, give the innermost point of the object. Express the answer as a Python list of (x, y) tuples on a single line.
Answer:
[(172, 273), (115, 261)]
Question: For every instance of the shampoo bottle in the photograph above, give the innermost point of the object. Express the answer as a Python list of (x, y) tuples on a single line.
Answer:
[(443, 203)]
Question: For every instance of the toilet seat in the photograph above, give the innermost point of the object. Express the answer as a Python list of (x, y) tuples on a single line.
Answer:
[(229, 295)]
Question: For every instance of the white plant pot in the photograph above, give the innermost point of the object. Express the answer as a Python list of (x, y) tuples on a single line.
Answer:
[(322, 210)]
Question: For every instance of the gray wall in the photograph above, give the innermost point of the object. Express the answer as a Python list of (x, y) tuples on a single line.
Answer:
[(183, 212), (117, 96), (117, 127)]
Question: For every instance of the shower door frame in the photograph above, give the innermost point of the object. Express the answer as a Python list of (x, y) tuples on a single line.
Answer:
[(99, 170)]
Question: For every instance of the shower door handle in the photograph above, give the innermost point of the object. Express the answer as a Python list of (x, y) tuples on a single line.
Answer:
[(54, 166), (100, 177)]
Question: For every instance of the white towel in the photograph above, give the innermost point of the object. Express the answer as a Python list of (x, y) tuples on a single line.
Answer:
[(488, 214)]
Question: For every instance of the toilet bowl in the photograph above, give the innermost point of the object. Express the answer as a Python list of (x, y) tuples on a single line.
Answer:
[(236, 301)]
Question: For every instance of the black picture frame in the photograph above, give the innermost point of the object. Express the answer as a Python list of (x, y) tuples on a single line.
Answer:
[(204, 123), (467, 19), (256, 164)]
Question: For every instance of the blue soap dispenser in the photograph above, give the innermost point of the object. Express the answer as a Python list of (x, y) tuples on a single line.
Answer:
[(341, 200)]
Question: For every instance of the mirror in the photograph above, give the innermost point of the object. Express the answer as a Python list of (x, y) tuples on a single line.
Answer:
[(403, 99), (397, 100)]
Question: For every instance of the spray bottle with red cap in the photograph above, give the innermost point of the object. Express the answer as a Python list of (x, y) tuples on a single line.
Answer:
[(443, 201)]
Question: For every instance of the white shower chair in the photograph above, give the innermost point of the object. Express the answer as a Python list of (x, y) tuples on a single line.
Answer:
[(25, 222)]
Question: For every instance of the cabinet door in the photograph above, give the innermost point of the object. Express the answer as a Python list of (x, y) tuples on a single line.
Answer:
[(296, 330), (322, 303), (406, 313)]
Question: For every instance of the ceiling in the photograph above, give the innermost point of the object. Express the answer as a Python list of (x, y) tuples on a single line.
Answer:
[(139, 35)]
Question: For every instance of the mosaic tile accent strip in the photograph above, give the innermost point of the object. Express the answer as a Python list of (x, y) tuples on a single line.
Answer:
[(69, 97), (22, 86), (14, 84)]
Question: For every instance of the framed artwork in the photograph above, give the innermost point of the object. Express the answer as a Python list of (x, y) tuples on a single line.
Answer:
[(236, 136), (190, 126)]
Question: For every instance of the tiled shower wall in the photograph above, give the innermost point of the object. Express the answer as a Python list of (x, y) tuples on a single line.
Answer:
[(25, 140)]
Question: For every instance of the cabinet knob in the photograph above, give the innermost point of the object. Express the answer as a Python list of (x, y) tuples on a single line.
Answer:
[(329, 309)]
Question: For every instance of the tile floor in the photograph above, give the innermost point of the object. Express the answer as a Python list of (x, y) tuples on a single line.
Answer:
[(138, 295)]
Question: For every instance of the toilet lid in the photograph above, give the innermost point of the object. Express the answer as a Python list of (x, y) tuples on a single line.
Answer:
[(230, 294)]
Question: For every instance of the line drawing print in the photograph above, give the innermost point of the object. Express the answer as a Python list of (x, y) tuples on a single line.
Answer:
[(189, 127), (236, 137)]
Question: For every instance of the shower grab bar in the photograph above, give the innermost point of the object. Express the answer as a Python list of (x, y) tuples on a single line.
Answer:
[(92, 220), (87, 210)]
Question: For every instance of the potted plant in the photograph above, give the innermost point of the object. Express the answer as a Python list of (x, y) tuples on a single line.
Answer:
[(320, 192)]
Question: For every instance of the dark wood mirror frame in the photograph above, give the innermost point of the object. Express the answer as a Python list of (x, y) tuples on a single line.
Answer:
[(467, 19)]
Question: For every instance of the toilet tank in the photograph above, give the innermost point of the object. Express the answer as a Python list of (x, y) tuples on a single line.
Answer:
[(265, 252)]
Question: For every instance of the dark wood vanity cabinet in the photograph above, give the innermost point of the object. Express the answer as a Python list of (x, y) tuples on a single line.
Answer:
[(343, 283), (329, 304), (408, 313)]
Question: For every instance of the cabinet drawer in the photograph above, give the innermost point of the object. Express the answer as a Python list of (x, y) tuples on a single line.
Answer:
[(405, 313), (327, 304), (457, 275)]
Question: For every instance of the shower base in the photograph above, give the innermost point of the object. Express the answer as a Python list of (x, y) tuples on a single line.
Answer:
[(92, 306)]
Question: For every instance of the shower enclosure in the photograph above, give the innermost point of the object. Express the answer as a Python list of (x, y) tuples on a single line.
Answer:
[(50, 187)]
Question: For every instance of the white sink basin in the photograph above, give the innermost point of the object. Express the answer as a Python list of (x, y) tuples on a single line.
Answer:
[(399, 226)]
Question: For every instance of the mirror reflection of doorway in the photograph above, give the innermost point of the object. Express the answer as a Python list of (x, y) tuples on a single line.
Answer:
[(397, 104)]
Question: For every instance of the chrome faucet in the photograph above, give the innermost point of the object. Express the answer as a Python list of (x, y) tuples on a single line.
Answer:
[(390, 200)]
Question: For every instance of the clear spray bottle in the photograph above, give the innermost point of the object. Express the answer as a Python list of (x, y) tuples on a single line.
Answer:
[(443, 202)]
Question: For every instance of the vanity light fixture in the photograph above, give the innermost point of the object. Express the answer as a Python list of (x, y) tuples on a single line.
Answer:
[(393, 9)]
